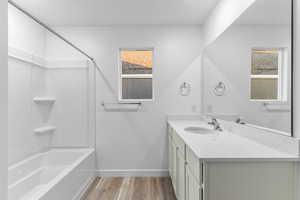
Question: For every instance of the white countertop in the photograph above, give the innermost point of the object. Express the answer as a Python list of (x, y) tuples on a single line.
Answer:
[(225, 145)]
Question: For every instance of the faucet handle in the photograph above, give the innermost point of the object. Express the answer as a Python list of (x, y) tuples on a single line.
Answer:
[(213, 121)]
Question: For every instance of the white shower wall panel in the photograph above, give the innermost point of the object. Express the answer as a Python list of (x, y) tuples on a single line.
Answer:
[(25, 82), (70, 113)]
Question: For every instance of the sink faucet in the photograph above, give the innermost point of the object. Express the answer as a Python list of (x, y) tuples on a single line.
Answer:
[(216, 124)]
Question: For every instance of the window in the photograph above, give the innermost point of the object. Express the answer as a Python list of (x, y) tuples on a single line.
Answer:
[(267, 74), (136, 75)]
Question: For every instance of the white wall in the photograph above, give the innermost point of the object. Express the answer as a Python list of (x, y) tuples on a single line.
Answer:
[(135, 143), (70, 113), (24, 33), (296, 77), (296, 69), (222, 17), (228, 60), (3, 100), (25, 81)]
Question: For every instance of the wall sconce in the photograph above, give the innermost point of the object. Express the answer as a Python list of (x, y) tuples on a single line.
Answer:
[(185, 89), (219, 89)]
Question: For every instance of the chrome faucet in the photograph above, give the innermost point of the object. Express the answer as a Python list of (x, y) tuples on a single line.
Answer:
[(216, 124)]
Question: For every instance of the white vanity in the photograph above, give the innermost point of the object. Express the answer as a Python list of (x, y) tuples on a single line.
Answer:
[(226, 165)]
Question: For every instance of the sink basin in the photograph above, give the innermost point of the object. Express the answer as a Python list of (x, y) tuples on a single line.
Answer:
[(199, 130)]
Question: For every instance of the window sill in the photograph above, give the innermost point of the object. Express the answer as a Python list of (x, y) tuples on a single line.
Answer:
[(134, 100)]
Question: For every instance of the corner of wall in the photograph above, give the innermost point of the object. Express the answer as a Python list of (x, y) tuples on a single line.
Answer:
[(296, 68), (222, 17), (3, 100), (297, 81)]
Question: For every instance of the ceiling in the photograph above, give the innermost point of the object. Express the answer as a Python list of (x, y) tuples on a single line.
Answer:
[(118, 12), (267, 12)]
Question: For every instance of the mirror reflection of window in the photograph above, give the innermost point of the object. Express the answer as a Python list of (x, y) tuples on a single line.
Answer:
[(267, 77), (265, 62)]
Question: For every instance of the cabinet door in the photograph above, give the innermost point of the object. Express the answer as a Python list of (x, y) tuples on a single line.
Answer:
[(180, 177), (170, 158), (193, 189), (174, 167)]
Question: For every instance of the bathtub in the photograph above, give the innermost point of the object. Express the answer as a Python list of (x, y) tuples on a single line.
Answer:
[(58, 174)]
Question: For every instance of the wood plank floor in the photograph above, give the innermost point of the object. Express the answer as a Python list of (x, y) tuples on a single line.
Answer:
[(131, 189)]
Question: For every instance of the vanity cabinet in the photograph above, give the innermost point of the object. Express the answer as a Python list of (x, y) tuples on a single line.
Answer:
[(180, 169), (184, 169), (177, 164), (170, 157), (174, 167), (192, 187), (194, 178)]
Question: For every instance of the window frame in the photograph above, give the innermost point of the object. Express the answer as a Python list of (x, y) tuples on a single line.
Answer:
[(281, 77), (122, 76)]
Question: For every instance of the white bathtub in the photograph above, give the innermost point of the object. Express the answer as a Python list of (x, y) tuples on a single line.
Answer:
[(59, 174)]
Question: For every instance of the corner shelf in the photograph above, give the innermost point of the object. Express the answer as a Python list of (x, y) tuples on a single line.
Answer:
[(44, 100), (45, 129)]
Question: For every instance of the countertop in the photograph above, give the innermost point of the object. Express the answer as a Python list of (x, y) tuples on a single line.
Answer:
[(224, 145)]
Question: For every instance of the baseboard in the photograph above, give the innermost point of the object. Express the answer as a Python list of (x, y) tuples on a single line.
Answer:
[(80, 194), (133, 173)]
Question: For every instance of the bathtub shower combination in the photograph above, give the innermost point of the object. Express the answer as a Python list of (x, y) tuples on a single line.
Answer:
[(193, 105), (50, 102), (58, 174)]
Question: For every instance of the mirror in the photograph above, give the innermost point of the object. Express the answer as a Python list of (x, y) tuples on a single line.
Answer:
[(247, 70)]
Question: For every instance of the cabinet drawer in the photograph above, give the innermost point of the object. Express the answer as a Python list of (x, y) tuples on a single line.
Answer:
[(179, 143), (194, 165)]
